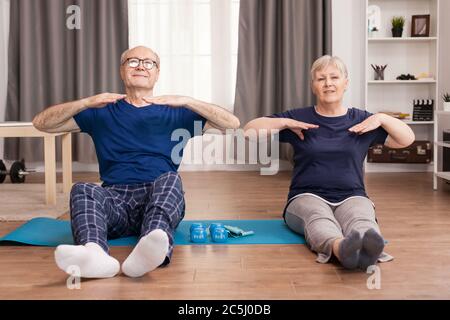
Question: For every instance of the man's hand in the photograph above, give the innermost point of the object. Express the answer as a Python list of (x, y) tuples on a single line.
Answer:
[(100, 100), (370, 124), (216, 116), (297, 127), (173, 101)]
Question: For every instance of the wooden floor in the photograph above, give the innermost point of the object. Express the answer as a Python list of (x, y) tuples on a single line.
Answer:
[(414, 219)]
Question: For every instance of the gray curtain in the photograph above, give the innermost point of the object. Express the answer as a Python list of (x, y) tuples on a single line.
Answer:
[(50, 63), (278, 42)]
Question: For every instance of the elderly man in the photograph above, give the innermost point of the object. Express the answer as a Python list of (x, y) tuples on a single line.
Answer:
[(142, 192)]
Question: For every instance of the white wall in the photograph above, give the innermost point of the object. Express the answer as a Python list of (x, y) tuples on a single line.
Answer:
[(4, 32), (348, 44)]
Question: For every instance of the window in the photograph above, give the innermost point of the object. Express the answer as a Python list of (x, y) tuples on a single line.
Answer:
[(197, 41)]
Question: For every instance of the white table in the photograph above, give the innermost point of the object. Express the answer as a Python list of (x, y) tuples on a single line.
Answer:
[(26, 130)]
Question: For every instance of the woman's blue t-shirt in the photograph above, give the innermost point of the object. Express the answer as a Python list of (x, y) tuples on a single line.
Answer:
[(134, 145), (330, 161)]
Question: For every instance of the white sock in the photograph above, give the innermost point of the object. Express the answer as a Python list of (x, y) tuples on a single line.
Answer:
[(148, 254), (92, 260)]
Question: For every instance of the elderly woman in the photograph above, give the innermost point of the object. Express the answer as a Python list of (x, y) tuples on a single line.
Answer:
[(327, 202)]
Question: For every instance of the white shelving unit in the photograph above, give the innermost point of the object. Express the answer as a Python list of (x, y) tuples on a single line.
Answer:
[(403, 55)]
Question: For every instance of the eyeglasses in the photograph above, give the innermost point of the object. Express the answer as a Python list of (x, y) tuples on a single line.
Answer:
[(135, 62)]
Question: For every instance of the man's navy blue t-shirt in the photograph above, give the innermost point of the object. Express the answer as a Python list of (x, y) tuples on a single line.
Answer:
[(133, 145), (329, 162)]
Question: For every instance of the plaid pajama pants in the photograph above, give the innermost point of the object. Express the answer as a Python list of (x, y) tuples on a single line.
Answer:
[(99, 213)]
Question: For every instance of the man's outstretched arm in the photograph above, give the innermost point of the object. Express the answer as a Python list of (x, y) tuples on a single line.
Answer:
[(59, 118), (217, 117)]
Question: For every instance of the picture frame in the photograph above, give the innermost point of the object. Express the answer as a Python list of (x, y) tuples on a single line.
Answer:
[(420, 25)]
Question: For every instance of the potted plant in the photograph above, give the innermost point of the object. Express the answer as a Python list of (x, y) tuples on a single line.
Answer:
[(397, 26), (446, 98)]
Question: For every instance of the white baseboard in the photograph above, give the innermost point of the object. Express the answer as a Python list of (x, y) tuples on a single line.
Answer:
[(398, 167), (84, 167)]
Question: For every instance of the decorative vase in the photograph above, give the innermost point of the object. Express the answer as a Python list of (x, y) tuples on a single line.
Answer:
[(373, 34), (447, 106), (379, 75), (397, 32)]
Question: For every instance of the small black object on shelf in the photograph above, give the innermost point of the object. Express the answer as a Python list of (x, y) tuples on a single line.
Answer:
[(406, 77)]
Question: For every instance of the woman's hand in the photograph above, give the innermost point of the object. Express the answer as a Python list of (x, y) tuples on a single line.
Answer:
[(297, 127), (370, 124)]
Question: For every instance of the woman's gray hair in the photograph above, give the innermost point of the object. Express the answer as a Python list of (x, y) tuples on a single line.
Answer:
[(325, 61)]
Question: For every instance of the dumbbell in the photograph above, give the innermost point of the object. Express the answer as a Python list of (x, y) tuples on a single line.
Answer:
[(219, 234), (17, 172), (198, 233)]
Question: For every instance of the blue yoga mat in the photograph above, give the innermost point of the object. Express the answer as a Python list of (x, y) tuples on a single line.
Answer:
[(51, 233)]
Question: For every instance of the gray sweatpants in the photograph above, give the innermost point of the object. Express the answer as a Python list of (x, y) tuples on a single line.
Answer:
[(322, 223)]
